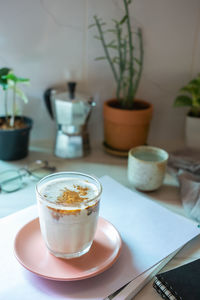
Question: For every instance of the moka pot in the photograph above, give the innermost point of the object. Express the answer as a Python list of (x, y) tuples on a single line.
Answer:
[(71, 112)]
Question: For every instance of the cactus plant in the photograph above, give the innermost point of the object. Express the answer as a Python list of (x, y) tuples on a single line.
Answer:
[(125, 65)]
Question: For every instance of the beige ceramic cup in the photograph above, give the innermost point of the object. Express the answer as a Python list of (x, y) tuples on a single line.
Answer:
[(146, 167)]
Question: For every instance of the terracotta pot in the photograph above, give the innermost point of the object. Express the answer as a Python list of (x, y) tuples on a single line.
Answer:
[(124, 129)]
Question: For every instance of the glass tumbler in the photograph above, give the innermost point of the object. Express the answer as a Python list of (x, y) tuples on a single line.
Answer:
[(68, 204)]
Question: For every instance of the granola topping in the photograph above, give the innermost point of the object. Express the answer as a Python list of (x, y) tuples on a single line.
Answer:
[(73, 197)]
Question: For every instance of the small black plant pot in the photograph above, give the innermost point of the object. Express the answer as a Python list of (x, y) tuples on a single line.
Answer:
[(14, 142)]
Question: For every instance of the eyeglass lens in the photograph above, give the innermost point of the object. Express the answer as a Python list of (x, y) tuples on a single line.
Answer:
[(10, 181)]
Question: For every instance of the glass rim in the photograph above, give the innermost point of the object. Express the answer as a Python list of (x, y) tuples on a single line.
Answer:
[(68, 173)]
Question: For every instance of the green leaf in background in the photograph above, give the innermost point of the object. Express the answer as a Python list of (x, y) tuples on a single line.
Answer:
[(123, 19), (97, 37), (190, 88), (195, 82), (8, 80), (198, 101), (115, 21), (111, 46), (3, 80), (115, 59), (11, 76), (23, 80), (123, 45), (137, 61), (183, 100), (111, 30), (4, 71), (100, 58), (111, 43), (16, 79), (91, 25)]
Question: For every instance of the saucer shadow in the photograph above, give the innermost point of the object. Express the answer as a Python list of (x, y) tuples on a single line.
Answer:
[(101, 285)]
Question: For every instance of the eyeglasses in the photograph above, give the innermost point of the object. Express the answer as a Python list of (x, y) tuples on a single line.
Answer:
[(13, 180)]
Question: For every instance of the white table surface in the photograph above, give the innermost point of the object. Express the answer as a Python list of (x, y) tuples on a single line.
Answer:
[(99, 163)]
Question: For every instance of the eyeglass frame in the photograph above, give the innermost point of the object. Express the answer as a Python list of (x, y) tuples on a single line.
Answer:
[(27, 172)]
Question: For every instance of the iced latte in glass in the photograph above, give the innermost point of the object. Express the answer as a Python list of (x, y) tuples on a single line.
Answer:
[(68, 205)]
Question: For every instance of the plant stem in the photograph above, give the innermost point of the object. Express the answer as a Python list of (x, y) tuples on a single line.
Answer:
[(194, 100), (124, 88), (6, 105), (195, 105), (105, 48), (131, 69), (141, 61), (12, 119), (121, 62)]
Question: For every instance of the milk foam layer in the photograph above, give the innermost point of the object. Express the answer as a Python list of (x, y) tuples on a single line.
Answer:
[(68, 230), (54, 189)]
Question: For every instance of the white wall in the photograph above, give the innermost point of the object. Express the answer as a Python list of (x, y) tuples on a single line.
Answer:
[(46, 40)]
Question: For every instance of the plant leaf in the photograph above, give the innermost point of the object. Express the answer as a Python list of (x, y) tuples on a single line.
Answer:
[(123, 19), (111, 43), (111, 46), (111, 30), (100, 58), (115, 59), (137, 61), (91, 25), (198, 101), (195, 82), (3, 80), (4, 71), (16, 79), (190, 88), (23, 80), (97, 37), (11, 76), (115, 21), (183, 100)]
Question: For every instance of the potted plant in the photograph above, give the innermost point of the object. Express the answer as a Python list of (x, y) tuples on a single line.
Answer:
[(189, 96), (126, 119), (14, 129)]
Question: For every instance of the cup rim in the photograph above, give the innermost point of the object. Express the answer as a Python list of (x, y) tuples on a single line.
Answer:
[(149, 149), (68, 173)]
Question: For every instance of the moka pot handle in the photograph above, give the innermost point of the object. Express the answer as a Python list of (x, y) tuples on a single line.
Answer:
[(47, 99)]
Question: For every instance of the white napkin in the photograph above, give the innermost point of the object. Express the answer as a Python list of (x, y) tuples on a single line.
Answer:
[(187, 160), (186, 165)]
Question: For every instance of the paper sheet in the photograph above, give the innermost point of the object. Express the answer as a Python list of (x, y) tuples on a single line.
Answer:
[(149, 232)]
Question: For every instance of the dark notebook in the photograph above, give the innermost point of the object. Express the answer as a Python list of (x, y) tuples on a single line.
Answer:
[(182, 283)]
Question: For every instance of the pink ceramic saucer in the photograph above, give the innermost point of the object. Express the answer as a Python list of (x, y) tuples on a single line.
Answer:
[(32, 253)]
